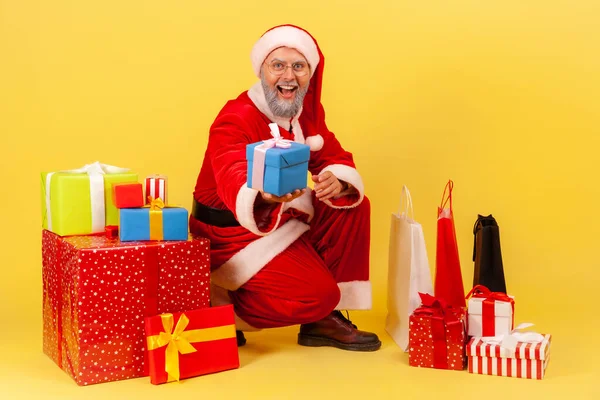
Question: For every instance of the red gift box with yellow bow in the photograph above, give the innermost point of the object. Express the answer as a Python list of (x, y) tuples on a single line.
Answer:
[(437, 335), (192, 343)]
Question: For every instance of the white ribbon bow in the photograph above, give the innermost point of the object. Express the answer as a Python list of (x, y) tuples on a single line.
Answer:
[(95, 170), (515, 337), (260, 154), (277, 140)]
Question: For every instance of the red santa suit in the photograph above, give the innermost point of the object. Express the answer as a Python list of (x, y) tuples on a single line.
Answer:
[(294, 262)]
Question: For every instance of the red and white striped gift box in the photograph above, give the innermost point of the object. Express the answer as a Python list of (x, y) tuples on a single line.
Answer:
[(528, 360), (156, 186)]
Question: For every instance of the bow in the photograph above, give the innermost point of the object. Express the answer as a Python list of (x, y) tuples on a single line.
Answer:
[(436, 307), (176, 341), (480, 291), (156, 204), (179, 340), (515, 337), (97, 168), (277, 140)]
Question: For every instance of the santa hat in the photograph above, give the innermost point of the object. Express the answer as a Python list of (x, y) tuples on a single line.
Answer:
[(299, 39)]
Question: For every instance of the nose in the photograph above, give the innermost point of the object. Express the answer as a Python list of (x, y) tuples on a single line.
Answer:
[(288, 74)]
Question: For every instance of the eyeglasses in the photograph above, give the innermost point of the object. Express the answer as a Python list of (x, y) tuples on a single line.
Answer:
[(278, 68)]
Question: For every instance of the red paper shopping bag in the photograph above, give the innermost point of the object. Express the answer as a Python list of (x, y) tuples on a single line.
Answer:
[(448, 277)]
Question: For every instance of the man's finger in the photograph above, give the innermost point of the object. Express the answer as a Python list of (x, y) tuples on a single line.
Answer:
[(271, 197), (324, 176), (330, 181), (334, 192), (325, 191)]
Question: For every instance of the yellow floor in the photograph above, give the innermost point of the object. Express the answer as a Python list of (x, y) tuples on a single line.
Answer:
[(274, 367)]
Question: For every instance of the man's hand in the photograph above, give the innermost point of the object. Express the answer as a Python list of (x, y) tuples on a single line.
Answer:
[(271, 198), (327, 185)]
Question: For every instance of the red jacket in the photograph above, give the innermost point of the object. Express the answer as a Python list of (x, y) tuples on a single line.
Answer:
[(237, 253)]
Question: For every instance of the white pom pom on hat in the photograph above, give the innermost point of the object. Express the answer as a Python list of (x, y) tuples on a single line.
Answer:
[(315, 142)]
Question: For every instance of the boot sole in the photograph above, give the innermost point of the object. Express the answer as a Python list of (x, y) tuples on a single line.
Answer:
[(319, 341)]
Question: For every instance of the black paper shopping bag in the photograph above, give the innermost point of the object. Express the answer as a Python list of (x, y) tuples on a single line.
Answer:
[(487, 255)]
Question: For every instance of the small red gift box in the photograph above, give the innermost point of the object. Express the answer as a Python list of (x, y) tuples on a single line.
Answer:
[(437, 335), (128, 195), (193, 343)]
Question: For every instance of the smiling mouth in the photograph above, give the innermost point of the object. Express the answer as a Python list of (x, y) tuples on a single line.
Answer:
[(287, 91)]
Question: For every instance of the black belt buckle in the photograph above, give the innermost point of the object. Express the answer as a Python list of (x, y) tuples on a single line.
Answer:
[(213, 216)]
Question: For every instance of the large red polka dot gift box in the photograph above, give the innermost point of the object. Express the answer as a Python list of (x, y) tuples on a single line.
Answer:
[(97, 292)]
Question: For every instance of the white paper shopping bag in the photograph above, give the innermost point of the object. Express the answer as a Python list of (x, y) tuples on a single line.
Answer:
[(408, 270)]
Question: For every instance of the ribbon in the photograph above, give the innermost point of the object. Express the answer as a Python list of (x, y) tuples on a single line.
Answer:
[(95, 171), (179, 340), (156, 217), (488, 310), (260, 154), (58, 290), (515, 337), (443, 317)]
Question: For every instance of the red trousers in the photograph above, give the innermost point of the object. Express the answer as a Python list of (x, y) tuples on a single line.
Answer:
[(302, 284)]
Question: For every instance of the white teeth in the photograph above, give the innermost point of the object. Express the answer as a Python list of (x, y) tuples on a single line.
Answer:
[(288, 87)]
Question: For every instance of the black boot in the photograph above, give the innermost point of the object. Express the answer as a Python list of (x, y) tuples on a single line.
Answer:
[(241, 340)]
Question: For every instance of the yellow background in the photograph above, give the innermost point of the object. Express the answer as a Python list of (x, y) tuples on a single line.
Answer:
[(502, 97)]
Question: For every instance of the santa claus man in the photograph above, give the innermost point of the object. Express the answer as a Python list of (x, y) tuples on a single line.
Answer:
[(302, 257)]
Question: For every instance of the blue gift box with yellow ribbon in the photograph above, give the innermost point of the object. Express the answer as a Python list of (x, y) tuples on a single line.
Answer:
[(153, 222)]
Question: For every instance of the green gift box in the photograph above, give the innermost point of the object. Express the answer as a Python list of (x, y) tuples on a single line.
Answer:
[(79, 201)]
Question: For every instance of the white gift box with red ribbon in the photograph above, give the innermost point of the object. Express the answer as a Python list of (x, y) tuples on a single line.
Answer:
[(489, 313), (156, 187)]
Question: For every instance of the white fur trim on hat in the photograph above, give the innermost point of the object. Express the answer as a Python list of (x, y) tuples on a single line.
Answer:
[(284, 36)]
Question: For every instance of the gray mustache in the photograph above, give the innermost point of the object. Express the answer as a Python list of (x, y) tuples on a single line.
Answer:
[(287, 83)]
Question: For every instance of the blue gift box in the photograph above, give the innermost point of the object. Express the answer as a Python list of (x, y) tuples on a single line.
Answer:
[(137, 224), (285, 170)]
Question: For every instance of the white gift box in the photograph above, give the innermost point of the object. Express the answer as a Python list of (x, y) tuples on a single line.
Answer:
[(526, 360), (488, 320)]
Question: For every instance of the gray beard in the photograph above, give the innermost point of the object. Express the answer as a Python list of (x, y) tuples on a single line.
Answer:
[(282, 108)]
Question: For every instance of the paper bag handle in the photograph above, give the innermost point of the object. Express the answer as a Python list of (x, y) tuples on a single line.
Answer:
[(449, 187), (405, 195)]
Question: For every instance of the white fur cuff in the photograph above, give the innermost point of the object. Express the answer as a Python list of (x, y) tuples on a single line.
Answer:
[(350, 175), (244, 210)]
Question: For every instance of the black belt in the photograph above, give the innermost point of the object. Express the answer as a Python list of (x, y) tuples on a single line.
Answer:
[(213, 216)]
